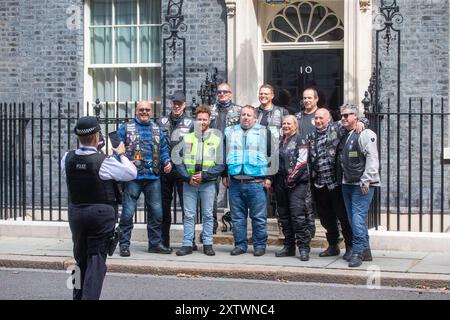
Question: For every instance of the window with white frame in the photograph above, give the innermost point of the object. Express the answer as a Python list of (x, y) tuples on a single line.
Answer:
[(124, 60)]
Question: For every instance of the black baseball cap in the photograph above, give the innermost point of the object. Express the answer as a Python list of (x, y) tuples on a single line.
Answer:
[(86, 126), (178, 96)]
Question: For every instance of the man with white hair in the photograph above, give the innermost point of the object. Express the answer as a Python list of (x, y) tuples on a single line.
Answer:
[(358, 157)]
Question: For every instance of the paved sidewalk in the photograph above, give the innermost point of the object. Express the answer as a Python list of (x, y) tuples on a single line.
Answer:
[(395, 268)]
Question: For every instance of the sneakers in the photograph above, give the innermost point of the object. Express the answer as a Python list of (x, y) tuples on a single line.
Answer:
[(237, 251), (332, 250), (286, 251), (124, 252), (208, 250), (184, 250)]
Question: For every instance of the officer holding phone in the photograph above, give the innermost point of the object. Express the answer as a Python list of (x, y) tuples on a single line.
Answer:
[(90, 179)]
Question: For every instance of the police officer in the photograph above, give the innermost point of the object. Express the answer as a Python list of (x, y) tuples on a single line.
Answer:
[(90, 183), (224, 113), (174, 126)]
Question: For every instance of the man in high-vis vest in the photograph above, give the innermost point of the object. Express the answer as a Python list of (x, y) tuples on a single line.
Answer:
[(201, 165), (147, 148), (248, 147)]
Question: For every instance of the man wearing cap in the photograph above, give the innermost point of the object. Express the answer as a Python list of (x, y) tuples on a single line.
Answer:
[(175, 126), (90, 179), (146, 147)]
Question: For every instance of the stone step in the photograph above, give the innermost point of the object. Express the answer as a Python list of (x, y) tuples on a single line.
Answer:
[(275, 236)]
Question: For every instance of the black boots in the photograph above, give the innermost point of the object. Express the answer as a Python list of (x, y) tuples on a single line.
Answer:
[(304, 254), (184, 250), (332, 250), (286, 251), (348, 253), (208, 250), (367, 255), (124, 251), (355, 260)]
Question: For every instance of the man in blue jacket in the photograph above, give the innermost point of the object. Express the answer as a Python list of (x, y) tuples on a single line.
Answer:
[(248, 149), (147, 148)]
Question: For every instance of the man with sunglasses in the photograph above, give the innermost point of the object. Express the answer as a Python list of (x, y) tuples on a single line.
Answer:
[(175, 126), (147, 148), (224, 113), (358, 159)]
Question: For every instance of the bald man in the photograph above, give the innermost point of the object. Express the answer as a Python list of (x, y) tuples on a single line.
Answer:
[(326, 189)]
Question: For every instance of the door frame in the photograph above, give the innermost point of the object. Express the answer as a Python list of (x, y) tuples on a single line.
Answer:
[(247, 22)]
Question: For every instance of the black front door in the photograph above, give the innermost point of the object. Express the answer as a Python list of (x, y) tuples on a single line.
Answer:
[(291, 71)]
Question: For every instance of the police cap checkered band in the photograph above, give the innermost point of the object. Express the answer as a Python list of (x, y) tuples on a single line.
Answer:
[(86, 126)]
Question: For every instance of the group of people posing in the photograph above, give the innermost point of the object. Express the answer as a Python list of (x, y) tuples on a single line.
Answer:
[(308, 162)]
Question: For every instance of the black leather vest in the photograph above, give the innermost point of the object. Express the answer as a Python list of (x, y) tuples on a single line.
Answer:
[(83, 181), (352, 159), (185, 124)]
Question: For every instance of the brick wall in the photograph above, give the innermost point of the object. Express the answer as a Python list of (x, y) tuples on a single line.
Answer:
[(41, 58), (424, 73), (205, 45)]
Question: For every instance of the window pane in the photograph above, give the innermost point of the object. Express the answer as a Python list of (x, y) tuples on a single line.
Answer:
[(150, 44), (101, 51), (127, 84), (126, 12), (151, 84), (150, 11), (101, 12), (126, 45), (103, 80)]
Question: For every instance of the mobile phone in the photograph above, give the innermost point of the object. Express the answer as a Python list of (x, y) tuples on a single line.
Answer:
[(114, 137)]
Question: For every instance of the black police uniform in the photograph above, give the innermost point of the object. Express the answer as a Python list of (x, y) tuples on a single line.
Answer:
[(91, 213), (184, 124), (91, 220)]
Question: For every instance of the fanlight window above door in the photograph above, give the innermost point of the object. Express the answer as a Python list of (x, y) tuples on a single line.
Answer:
[(305, 21)]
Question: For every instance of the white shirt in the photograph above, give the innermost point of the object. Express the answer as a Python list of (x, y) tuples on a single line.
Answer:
[(111, 168)]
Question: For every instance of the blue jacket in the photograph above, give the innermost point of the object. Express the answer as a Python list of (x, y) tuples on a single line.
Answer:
[(144, 131), (247, 150)]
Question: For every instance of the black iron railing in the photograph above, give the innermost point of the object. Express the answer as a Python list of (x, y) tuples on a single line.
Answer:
[(414, 169), (33, 139)]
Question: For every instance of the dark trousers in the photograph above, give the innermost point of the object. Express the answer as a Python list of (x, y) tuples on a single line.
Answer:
[(91, 227), (295, 214), (168, 183), (331, 207)]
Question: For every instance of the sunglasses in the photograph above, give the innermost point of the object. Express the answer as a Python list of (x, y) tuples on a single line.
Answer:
[(345, 115), (223, 91), (144, 110)]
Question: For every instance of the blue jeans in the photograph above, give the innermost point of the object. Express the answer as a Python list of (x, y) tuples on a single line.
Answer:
[(207, 192), (152, 194), (357, 206), (248, 198)]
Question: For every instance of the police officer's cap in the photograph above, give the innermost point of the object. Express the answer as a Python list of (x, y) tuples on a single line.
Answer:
[(86, 126), (178, 96)]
